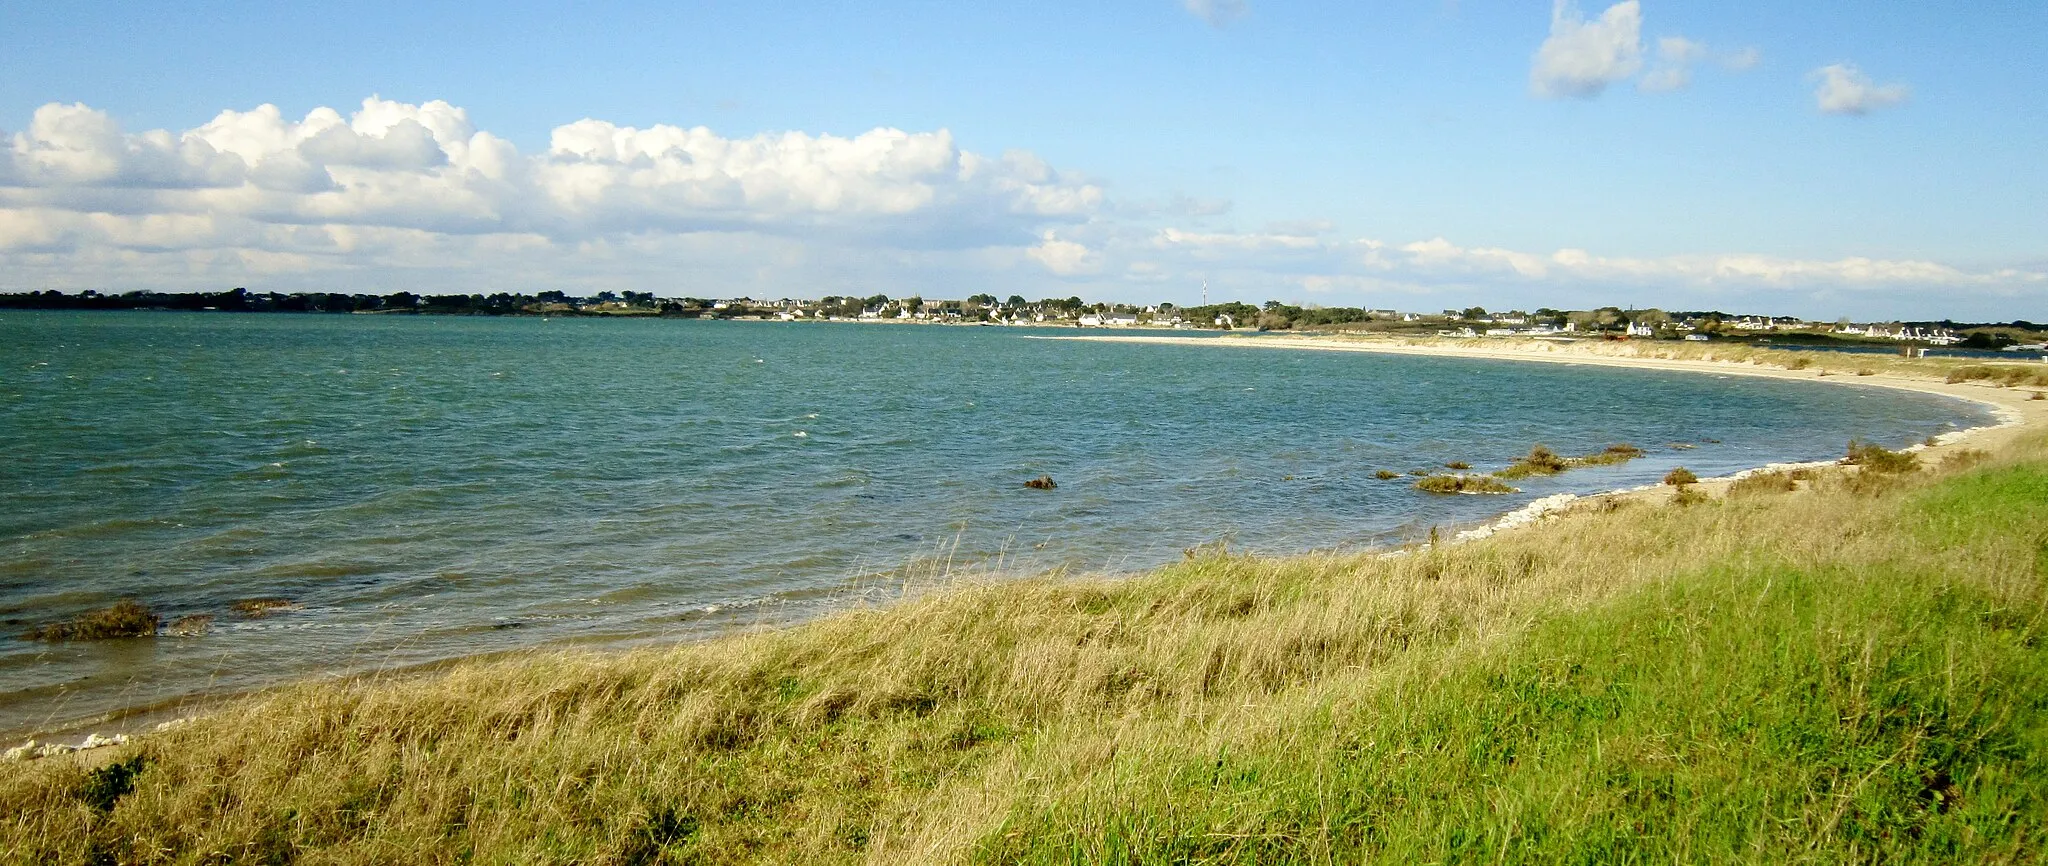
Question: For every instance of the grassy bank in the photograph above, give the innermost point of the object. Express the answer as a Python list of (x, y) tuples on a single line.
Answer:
[(1852, 669)]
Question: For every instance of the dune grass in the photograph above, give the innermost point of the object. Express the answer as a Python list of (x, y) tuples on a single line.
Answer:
[(1849, 671)]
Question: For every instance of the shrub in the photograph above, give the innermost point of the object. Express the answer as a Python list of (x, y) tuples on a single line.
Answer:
[(1680, 477), (1865, 371), (1463, 484), (1688, 496), (1763, 482), (125, 618), (1798, 363), (1876, 458), (1385, 475)]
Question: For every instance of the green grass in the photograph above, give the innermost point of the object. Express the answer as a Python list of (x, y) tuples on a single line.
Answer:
[(1843, 672)]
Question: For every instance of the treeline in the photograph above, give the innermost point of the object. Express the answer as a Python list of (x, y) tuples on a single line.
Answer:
[(244, 301)]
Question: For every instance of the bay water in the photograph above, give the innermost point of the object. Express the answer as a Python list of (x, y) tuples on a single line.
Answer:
[(428, 488)]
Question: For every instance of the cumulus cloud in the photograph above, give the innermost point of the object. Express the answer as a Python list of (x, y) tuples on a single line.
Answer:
[(1582, 57), (426, 167), (1215, 12), (1844, 89), (1064, 257)]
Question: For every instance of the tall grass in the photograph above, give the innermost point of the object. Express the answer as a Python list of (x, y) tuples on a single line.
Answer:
[(1816, 676)]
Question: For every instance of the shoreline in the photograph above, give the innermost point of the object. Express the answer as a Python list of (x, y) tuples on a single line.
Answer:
[(2014, 414)]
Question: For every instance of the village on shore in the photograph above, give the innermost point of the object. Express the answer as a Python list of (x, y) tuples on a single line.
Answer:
[(987, 309)]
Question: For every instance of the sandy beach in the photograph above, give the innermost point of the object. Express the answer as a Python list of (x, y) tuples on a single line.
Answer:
[(2016, 408)]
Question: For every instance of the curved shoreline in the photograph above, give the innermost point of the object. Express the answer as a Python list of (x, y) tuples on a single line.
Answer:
[(2013, 410), (2014, 413)]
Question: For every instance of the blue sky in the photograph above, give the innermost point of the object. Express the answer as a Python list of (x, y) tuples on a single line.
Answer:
[(1833, 159)]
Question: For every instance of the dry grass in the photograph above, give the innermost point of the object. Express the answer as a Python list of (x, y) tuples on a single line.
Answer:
[(1762, 483), (1475, 702)]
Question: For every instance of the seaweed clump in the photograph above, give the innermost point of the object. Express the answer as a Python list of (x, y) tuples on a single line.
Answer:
[(1463, 484), (124, 618)]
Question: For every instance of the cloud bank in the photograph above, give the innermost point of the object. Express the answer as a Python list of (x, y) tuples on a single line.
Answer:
[(400, 196)]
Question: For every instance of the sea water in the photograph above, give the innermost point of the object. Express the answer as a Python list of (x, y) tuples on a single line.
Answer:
[(427, 488)]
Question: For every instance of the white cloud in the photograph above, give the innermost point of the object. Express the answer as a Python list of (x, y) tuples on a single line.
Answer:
[(1215, 12), (1673, 71), (1844, 89), (426, 167), (1064, 257), (1742, 59), (1581, 57)]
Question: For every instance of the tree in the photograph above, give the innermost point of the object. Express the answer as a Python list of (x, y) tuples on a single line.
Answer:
[(1016, 302), (1473, 313)]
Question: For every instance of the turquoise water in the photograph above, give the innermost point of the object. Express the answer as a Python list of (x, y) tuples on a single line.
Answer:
[(428, 488)]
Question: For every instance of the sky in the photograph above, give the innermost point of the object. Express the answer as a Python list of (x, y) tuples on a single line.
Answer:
[(1821, 159)]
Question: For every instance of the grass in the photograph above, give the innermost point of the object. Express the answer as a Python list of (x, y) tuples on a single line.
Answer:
[(1813, 677), (1463, 484), (2009, 375), (1762, 483), (124, 618)]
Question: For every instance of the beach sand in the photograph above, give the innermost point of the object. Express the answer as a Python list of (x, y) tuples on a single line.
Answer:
[(2015, 408)]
